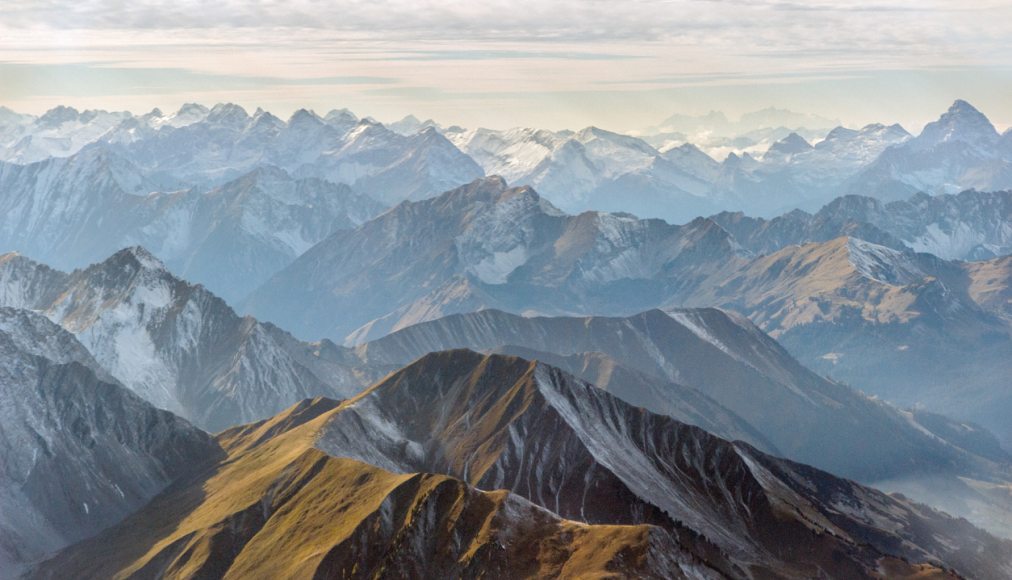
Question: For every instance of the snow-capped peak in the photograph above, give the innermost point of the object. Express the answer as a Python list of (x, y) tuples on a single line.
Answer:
[(882, 264), (303, 116), (139, 255), (962, 122), (228, 114), (57, 116), (789, 145)]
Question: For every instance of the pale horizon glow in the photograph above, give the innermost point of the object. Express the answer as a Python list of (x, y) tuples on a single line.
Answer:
[(569, 64)]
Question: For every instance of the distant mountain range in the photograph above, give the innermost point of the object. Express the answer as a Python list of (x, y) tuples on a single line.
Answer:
[(969, 226), (73, 211), (887, 321), (201, 148)]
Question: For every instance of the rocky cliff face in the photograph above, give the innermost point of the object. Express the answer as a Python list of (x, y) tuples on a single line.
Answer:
[(177, 345), (79, 452)]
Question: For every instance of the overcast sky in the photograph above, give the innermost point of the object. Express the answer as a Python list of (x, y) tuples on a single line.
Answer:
[(620, 64)]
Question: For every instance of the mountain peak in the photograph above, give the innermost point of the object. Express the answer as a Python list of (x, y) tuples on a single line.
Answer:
[(961, 122), (488, 185), (790, 145), (341, 117), (264, 118), (58, 115), (139, 256), (304, 116), (881, 263), (961, 106), (192, 108), (228, 113)]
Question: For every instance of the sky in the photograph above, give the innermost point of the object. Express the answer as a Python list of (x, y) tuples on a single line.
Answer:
[(623, 65)]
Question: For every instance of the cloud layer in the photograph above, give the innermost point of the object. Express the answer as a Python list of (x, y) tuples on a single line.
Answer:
[(515, 62)]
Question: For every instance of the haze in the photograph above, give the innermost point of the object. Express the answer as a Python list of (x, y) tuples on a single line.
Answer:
[(621, 65)]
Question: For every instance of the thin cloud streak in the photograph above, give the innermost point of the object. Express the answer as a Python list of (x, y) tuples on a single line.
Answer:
[(518, 62)]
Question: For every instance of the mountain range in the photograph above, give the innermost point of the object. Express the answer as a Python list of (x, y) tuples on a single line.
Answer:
[(401, 468), (76, 210), (593, 168), (236, 346), (183, 349), (898, 323)]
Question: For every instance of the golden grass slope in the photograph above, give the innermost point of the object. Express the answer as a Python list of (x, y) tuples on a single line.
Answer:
[(279, 508)]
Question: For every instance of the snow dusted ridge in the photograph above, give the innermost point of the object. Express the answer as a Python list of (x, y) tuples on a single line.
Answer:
[(662, 175), (969, 226), (80, 452), (700, 359), (883, 264), (177, 345)]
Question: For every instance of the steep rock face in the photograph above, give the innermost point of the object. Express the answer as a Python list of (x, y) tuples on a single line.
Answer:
[(57, 208), (682, 403), (503, 422), (78, 451), (281, 508), (177, 345), (485, 245), (232, 238)]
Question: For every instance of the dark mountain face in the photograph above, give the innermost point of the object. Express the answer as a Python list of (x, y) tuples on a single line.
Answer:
[(685, 404), (491, 422), (727, 359), (731, 370), (78, 451)]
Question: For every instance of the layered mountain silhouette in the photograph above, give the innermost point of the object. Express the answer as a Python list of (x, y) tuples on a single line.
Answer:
[(479, 353), (183, 349), (968, 226), (590, 485), (664, 362), (487, 244), (900, 324)]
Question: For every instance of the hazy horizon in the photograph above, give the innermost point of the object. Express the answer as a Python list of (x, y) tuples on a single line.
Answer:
[(563, 65)]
